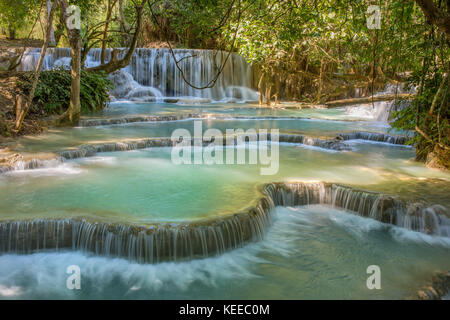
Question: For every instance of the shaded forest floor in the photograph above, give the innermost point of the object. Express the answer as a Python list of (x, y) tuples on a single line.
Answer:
[(34, 123)]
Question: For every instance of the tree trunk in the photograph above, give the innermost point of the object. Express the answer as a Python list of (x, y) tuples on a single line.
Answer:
[(436, 96), (52, 42), (319, 91), (74, 35), (435, 16), (383, 97), (25, 104), (12, 33), (277, 90), (75, 77), (268, 93), (260, 88)]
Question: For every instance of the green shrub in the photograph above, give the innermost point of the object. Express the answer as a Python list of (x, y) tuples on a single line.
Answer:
[(52, 93)]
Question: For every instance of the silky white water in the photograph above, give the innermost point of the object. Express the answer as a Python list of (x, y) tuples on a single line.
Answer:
[(153, 73)]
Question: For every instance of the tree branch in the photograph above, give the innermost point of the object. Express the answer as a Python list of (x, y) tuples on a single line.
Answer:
[(116, 64), (435, 16)]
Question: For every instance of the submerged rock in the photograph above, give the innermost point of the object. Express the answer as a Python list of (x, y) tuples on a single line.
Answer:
[(438, 159), (437, 289)]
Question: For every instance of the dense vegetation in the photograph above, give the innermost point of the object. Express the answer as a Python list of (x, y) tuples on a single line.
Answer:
[(429, 114), (52, 94), (305, 50)]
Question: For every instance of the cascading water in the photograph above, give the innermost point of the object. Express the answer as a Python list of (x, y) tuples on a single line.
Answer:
[(379, 111), (153, 73), (373, 136), (180, 241), (432, 220), (145, 244)]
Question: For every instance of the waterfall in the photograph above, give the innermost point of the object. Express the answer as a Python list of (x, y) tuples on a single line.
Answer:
[(373, 136), (379, 111), (204, 238), (433, 219), (145, 244), (32, 164), (153, 73)]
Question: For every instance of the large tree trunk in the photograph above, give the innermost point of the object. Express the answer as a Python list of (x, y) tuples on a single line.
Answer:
[(12, 33), (75, 77), (23, 105), (72, 115), (383, 97), (319, 90), (435, 16), (268, 92), (116, 64), (260, 88)]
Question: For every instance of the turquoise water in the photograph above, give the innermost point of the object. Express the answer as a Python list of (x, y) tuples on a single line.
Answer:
[(146, 185), (57, 139), (351, 113), (316, 122), (117, 109), (310, 252)]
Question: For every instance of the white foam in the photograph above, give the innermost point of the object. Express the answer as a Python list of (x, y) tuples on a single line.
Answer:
[(363, 141), (305, 146), (9, 292), (361, 226), (60, 169), (379, 111), (99, 159)]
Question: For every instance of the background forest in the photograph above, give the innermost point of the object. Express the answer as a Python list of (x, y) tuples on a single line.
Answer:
[(309, 51)]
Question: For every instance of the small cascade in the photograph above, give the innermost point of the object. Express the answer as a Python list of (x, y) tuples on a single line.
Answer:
[(239, 93), (144, 244), (90, 150), (32, 164), (178, 117), (133, 119), (153, 73), (396, 88), (31, 58), (379, 111), (433, 220), (126, 87), (205, 238), (373, 136)]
